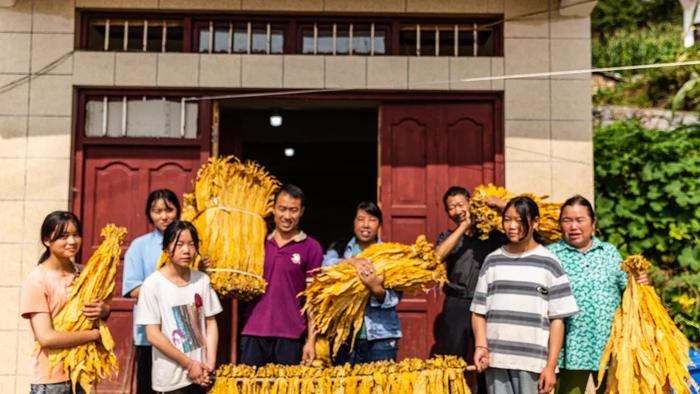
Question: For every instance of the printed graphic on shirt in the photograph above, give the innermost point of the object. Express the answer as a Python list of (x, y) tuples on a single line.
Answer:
[(188, 335), (296, 258)]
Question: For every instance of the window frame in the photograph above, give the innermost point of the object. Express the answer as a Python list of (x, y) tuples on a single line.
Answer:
[(293, 26)]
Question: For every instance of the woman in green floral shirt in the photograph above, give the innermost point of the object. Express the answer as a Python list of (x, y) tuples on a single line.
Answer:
[(597, 283)]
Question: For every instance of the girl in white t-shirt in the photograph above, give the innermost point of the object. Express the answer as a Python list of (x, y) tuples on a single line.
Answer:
[(177, 305)]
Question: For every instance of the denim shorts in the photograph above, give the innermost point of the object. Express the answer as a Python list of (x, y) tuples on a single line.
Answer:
[(55, 388)]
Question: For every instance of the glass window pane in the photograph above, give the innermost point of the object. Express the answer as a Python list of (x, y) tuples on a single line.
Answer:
[(379, 42), (342, 40), (221, 40), (96, 35), (135, 36), (277, 40), (361, 41), (259, 38), (204, 40), (466, 42), (307, 41), (407, 41), (174, 38), (485, 41), (325, 39), (240, 39), (447, 42), (154, 41), (116, 35), (427, 41)]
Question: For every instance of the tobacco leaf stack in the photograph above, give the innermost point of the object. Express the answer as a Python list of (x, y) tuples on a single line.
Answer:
[(92, 362), (336, 298)]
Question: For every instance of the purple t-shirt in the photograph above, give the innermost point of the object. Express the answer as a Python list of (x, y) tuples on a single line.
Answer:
[(277, 313)]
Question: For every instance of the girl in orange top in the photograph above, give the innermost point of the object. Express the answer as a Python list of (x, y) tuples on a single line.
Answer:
[(46, 291)]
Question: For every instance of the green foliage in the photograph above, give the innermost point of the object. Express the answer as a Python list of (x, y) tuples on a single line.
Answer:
[(648, 202), (610, 16), (658, 43)]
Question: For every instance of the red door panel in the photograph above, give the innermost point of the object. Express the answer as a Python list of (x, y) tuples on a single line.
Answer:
[(425, 148), (116, 183)]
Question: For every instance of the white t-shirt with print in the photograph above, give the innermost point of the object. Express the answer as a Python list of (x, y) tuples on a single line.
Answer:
[(181, 312)]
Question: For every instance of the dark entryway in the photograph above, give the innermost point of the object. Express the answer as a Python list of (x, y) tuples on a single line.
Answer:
[(330, 152)]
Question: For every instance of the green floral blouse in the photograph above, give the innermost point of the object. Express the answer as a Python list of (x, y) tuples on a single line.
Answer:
[(597, 283)]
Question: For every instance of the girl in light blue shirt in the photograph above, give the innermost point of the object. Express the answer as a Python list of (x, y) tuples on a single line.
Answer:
[(162, 208)]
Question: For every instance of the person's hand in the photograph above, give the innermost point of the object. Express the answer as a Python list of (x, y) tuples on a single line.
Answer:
[(465, 224), (197, 372), (495, 202), (547, 381), (368, 276), (204, 263), (97, 309), (308, 353), (481, 358), (643, 278)]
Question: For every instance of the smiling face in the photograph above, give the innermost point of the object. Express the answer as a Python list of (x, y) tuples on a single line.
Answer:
[(162, 213), (577, 226), (457, 208), (182, 250), (287, 212), (366, 227), (66, 244)]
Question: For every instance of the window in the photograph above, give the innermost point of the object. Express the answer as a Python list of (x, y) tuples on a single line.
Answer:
[(448, 40), (344, 39), (241, 37), (136, 35), (140, 117), (299, 34)]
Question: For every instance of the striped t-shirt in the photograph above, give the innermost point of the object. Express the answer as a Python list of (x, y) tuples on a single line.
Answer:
[(519, 294)]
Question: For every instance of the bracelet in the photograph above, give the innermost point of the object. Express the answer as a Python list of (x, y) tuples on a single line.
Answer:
[(483, 347)]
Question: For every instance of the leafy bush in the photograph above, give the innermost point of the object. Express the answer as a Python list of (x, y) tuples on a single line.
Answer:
[(610, 16), (656, 44), (648, 201)]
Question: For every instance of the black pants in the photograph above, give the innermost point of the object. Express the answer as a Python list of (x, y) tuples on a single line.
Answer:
[(191, 389), (456, 335), (143, 370), (258, 351)]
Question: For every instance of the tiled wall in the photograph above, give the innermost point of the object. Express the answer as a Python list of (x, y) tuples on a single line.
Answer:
[(547, 120), (35, 141)]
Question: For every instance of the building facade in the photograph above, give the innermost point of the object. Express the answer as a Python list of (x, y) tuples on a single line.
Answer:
[(102, 101)]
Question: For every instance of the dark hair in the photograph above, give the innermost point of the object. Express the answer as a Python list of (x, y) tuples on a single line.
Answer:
[(173, 231), (54, 227), (527, 211), (167, 195), (578, 200), (371, 208), (293, 190), (455, 191)]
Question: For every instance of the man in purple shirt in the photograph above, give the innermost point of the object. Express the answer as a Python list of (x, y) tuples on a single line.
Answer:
[(274, 326)]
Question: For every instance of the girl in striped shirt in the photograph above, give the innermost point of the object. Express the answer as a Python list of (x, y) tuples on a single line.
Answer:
[(521, 299)]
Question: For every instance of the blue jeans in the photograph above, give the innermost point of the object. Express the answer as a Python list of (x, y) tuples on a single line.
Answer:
[(367, 351)]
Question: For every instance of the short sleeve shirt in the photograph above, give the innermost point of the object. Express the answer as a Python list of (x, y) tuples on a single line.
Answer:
[(597, 283), (180, 310), (519, 294), (277, 313), (139, 263), (45, 291), (465, 260)]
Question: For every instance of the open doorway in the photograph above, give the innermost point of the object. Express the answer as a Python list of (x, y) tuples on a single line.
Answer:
[(328, 148)]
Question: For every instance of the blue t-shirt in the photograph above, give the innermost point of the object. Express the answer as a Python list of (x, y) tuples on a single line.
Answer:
[(139, 263)]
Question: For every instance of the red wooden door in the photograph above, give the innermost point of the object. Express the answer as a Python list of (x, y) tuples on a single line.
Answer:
[(425, 148), (116, 181)]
